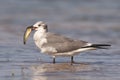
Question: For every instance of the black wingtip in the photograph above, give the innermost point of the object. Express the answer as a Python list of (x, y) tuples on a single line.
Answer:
[(100, 46)]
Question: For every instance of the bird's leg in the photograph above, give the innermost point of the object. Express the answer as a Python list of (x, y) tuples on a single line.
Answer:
[(72, 60), (53, 59)]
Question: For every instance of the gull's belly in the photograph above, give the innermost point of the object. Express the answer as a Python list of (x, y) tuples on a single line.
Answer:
[(53, 52), (40, 42)]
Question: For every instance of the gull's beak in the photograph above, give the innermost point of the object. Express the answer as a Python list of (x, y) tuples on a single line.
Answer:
[(27, 33)]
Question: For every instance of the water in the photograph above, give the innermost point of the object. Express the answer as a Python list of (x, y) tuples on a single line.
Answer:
[(95, 21)]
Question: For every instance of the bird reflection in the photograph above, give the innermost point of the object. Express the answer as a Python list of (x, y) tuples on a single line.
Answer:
[(47, 71)]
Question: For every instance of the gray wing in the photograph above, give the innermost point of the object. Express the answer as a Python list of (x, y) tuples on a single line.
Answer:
[(56, 38), (63, 44)]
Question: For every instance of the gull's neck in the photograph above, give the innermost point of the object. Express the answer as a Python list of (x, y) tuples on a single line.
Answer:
[(39, 35)]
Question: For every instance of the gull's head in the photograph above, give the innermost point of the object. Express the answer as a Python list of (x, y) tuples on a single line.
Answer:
[(38, 26)]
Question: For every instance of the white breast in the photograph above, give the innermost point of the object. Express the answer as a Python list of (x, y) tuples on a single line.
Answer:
[(49, 50), (40, 39)]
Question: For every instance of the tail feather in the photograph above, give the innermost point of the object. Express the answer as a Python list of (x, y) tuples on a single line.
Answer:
[(99, 46)]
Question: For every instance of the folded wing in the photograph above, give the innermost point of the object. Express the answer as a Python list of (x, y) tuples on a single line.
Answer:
[(63, 44)]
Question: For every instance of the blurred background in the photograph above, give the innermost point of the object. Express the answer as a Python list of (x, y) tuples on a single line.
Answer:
[(96, 21)]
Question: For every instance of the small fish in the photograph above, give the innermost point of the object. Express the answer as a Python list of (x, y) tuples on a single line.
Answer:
[(27, 34)]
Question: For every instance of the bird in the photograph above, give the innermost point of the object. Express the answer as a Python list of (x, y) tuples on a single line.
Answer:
[(55, 44)]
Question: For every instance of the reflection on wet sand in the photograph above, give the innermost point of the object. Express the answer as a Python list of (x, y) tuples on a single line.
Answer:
[(46, 71), (48, 67)]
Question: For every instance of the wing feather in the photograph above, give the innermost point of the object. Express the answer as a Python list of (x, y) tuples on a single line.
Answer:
[(63, 44)]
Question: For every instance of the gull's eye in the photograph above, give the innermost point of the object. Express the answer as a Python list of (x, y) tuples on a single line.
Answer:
[(39, 25)]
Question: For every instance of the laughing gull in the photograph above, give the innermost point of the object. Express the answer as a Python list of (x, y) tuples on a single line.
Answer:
[(58, 45)]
